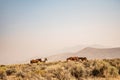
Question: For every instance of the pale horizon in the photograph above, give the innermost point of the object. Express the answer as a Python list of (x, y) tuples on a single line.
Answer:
[(31, 28)]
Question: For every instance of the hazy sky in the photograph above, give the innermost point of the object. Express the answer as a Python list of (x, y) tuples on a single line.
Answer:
[(40, 27)]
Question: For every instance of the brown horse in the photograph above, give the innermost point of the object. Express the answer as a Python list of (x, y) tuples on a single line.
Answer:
[(73, 58), (38, 60), (83, 58), (77, 58), (34, 61)]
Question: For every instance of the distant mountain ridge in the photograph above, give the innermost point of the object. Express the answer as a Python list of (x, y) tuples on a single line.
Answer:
[(90, 53), (76, 48)]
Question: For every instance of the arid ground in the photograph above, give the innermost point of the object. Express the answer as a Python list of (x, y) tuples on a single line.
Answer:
[(105, 69)]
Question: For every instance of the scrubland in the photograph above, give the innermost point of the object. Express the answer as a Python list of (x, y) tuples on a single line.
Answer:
[(106, 69)]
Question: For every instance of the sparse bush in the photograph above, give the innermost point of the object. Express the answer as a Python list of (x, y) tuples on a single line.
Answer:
[(114, 71), (2, 72), (118, 68), (62, 74), (2, 65), (87, 64), (104, 69), (20, 74), (59, 72), (2, 75), (78, 71), (70, 70), (10, 71), (40, 72), (95, 72)]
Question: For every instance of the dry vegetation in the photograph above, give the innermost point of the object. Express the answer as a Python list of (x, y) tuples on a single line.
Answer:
[(107, 69)]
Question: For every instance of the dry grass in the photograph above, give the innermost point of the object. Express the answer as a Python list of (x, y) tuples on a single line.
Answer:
[(107, 69)]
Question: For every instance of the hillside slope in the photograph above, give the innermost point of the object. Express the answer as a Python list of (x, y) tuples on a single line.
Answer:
[(90, 53), (106, 69)]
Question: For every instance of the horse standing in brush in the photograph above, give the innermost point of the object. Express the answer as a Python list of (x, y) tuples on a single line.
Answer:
[(38, 60), (77, 59), (83, 58), (73, 58)]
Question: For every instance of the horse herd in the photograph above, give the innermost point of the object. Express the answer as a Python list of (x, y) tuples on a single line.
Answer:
[(68, 59)]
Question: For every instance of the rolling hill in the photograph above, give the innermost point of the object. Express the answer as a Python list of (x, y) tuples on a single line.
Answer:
[(90, 53)]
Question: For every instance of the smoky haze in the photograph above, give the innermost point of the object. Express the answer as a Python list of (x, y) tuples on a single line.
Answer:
[(41, 28)]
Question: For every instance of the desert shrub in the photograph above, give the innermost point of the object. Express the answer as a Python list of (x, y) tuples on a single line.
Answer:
[(95, 72), (62, 74), (87, 64), (2, 65), (69, 64), (20, 74), (104, 69), (2, 72), (51, 63), (114, 71), (2, 75), (43, 67), (10, 71), (109, 70), (40, 72), (113, 62), (78, 71), (119, 70), (34, 76), (58, 72), (3, 68)]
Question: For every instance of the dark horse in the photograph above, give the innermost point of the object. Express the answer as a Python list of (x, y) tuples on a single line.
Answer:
[(77, 58), (83, 58), (73, 58), (37, 60)]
